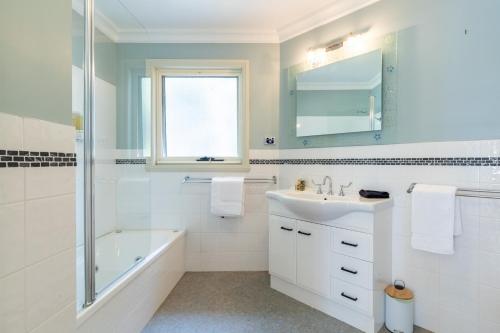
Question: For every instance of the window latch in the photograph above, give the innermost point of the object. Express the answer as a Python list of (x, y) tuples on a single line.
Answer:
[(209, 159)]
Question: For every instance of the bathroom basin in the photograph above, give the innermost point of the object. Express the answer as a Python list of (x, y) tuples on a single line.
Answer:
[(322, 207)]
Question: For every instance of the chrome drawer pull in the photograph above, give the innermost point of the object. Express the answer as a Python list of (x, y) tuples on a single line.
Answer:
[(348, 270), (349, 297), (349, 244), (287, 229), (304, 233)]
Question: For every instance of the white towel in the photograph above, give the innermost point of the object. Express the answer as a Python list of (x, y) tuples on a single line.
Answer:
[(227, 198), (435, 218)]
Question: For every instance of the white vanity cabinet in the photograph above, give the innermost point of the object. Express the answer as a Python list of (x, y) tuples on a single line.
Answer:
[(338, 266)]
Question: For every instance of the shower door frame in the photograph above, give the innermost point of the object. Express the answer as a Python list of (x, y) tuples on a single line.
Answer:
[(89, 154)]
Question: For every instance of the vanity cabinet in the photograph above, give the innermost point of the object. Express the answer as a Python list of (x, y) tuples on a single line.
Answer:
[(340, 267)]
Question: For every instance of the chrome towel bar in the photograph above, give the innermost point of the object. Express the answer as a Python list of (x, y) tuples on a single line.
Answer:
[(469, 192), (189, 179)]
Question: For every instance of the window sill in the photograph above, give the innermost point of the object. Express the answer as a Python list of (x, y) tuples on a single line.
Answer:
[(201, 167)]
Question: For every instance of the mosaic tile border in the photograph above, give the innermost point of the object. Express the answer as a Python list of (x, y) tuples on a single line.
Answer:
[(419, 161), (35, 159), (130, 161), (422, 161)]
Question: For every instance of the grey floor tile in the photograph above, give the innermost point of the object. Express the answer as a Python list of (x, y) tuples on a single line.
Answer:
[(237, 302)]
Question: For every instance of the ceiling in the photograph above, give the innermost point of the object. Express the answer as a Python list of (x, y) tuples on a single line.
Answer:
[(230, 21)]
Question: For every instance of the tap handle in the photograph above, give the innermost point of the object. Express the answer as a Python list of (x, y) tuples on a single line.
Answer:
[(320, 190), (346, 186), (342, 187)]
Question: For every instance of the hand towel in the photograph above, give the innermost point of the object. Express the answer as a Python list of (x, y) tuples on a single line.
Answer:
[(227, 197), (435, 218)]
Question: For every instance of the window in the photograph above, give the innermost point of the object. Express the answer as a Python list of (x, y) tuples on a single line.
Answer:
[(200, 109)]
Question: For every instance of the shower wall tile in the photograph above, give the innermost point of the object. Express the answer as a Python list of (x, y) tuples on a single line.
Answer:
[(50, 287), (11, 238), (12, 302), (37, 231), (11, 185), (41, 135), (46, 182), (46, 220), (63, 321)]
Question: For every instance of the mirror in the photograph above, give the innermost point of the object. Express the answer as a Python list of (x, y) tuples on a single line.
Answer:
[(341, 97)]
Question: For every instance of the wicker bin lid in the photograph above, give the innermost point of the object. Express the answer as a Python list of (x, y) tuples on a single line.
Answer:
[(399, 291)]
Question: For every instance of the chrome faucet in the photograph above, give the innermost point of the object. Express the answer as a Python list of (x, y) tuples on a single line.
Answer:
[(330, 185)]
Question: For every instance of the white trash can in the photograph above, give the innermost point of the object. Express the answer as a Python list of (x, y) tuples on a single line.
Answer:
[(399, 308)]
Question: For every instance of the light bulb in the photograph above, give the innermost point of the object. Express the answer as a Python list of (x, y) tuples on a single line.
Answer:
[(316, 57)]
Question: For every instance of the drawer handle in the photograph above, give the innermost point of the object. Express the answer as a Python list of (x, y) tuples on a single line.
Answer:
[(348, 297), (348, 270), (287, 229), (304, 233), (349, 244)]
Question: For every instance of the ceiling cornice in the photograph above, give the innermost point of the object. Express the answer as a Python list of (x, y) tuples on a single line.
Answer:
[(196, 36), (294, 29), (321, 17)]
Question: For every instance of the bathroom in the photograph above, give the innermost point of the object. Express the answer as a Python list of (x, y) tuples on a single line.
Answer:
[(179, 166)]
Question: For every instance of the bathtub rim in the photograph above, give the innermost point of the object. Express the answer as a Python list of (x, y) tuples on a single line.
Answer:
[(124, 280)]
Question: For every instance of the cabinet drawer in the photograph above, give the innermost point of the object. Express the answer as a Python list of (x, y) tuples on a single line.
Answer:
[(352, 296), (352, 243), (352, 270)]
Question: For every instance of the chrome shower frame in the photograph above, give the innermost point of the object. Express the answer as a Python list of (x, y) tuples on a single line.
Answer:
[(89, 154)]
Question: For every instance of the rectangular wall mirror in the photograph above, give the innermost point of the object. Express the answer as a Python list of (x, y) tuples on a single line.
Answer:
[(341, 97)]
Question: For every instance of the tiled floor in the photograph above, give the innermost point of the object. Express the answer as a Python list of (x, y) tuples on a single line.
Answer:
[(237, 302)]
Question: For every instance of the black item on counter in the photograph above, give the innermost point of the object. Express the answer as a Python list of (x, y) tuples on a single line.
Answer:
[(373, 194)]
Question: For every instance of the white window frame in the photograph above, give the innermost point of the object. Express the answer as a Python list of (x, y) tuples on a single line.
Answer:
[(159, 68)]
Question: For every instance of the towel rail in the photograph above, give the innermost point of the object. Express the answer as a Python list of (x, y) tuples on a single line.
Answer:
[(189, 179), (469, 192)]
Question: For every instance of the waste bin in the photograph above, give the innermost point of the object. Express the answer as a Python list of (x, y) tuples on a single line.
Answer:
[(399, 308)]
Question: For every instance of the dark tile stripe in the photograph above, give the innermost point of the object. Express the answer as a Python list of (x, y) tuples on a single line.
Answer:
[(35, 159), (421, 161), (130, 161)]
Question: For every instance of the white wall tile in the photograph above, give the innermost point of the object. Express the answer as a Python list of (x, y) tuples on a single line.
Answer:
[(50, 227), (489, 304), (12, 303), (34, 296), (11, 185), (11, 238), (61, 322), (40, 135), (11, 132), (50, 287), (489, 235), (489, 267), (46, 182), (457, 322)]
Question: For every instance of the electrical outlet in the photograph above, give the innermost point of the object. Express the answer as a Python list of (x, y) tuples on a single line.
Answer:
[(270, 140)]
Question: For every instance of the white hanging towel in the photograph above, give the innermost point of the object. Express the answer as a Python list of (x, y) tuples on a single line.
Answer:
[(227, 197), (435, 218)]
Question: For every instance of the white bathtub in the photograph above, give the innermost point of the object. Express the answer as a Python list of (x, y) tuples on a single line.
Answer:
[(148, 264)]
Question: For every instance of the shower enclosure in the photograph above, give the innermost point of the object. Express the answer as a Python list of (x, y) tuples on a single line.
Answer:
[(111, 111)]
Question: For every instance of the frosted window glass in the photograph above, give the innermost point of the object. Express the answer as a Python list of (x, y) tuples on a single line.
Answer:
[(201, 116)]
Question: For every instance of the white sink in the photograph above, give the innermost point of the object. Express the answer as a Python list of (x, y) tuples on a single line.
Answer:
[(322, 207)]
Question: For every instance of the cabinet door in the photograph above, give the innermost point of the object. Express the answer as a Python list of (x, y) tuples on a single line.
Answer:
[(313, 257), (282, 247)]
